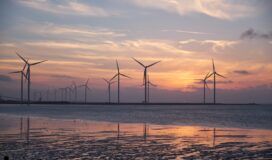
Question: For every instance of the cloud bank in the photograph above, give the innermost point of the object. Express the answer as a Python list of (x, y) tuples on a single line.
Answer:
[(221, 9), (65, 7)]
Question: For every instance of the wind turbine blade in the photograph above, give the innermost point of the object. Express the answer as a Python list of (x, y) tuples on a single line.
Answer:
[(141, 85), (114, 77), (37, 62), (117, 65), (74, 83), (153, 64), (125, 75), (15, 72), (87, 82), (220, 75), (24, 75), (112, 82), (89, 89), (21, 57), (72, 87), (207, 75), (105, 80), (138, 62), (213, 65), (27, 74), (25, 66), (206, 84), (152, 84)]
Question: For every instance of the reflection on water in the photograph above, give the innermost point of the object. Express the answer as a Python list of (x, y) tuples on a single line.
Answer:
[(34, 138)]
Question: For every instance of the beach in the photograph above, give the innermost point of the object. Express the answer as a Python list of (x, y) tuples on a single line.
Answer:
[(135, 132)]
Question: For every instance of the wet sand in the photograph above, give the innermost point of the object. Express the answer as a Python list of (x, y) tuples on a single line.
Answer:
[(47, 138)]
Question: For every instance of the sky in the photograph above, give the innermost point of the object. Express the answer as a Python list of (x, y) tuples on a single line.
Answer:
[(81, 39)]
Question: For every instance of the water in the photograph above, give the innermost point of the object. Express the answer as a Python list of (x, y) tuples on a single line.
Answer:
[(135, 132), (243, 116)]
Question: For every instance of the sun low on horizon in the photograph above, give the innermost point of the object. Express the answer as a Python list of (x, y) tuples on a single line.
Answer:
[(83, 39)]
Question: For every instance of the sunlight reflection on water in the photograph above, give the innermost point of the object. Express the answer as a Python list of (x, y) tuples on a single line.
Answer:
[(30, 137)]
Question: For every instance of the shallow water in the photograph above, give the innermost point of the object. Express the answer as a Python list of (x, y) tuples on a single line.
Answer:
[(135, 132), (47, 138), (238, 116)]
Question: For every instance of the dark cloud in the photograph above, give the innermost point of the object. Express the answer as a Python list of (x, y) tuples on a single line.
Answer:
[(62, 76), (252, 34), (211, 82), (242, 72), (5, 78), (220, 82)]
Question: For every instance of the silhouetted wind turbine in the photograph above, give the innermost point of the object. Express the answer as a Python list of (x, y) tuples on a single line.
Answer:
[(28, 75), (118, 74), (109, 88), (65, 93), (61, 93), (145, 75), (75, 90), (205, 85), (22, 81), (148, 91), (68, 91), (47, 94), (86, 88), (40, 99), (34, 96), (214, 73), (55, 94)]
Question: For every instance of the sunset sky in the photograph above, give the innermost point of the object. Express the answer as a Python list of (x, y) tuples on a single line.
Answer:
[(82, 38)]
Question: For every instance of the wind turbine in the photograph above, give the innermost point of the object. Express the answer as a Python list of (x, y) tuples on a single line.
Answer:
[(86, 88), (55, 94), (47, 94), (214, 73), (61, 94), (118, 74), (109, 88), (28, 74), (205, 85), (41, 97), (34, 95), (145, 75), (65, 93), (75, 90), (148, 84), (70, 91), (22, 81)]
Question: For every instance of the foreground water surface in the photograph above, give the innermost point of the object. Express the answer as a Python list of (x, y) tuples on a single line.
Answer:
[(239, 116), (135, 132)]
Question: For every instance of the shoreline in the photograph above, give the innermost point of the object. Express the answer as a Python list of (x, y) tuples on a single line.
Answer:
[(124, 103)]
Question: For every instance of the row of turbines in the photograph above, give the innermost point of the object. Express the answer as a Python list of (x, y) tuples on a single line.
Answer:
[(69, 93), (73, 88)]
